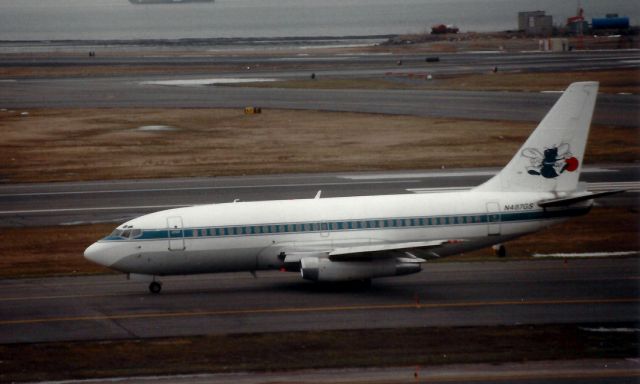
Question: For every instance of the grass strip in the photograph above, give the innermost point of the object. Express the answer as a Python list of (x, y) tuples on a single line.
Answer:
[(316, 349), (107, 144)]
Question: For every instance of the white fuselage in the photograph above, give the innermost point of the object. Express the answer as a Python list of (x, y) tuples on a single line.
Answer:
[(253, 235)]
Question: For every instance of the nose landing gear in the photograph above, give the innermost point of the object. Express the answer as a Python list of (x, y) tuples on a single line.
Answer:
[(155, 287)]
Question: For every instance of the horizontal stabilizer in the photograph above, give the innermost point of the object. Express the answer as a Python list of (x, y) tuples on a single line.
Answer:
[(576, 199)]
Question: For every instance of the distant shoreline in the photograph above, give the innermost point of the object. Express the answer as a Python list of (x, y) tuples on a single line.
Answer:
[(213, 44), (202, 41)]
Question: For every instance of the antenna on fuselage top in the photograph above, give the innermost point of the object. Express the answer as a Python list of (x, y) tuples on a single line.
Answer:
[(318, 195)]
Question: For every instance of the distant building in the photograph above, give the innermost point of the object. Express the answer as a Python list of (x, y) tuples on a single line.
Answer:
[(535, 23), (612, 23), (577, 25), (441, 29), (578, 28)]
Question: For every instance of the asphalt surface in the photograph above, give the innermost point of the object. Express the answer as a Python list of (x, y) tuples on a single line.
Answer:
[(343, 64), (119, 200), (444, 294), (617, 110), (134, 91), (600, 371)]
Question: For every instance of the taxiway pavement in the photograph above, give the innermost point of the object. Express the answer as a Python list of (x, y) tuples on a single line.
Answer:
[(592, 371), (617, 110), (444, 294), (118, 200), (345, 64)]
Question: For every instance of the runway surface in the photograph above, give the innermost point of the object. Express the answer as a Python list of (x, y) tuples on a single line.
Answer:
[(618, 110), (444, 294), (548, 372), (136, 91), (345, 64), (119, 200)]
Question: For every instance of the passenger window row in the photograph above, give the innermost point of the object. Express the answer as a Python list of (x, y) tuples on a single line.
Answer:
[(335, 226)]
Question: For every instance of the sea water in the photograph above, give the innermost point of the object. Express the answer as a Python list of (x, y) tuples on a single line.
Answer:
[(121, 20)]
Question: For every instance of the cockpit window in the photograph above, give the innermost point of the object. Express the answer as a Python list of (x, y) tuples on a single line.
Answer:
[(126, 233)]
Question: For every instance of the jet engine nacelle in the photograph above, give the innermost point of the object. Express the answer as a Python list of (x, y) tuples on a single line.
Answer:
[(323, 269)]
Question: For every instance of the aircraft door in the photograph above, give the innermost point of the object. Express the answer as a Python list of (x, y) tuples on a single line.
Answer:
[(493, 219), (176, 233)]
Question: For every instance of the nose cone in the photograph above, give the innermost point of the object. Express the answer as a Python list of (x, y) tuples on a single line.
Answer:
[(99, 254)]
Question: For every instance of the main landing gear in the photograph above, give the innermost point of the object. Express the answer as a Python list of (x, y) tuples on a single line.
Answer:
[(155, 287), (500, 250)]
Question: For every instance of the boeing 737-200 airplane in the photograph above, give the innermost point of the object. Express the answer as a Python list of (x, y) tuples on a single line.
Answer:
[(364, 237)]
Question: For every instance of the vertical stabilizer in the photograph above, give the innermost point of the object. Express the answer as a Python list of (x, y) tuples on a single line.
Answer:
[(551, 158)]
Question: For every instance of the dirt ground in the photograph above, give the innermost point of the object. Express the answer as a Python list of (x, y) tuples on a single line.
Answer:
[(96, 144), (414, 348)]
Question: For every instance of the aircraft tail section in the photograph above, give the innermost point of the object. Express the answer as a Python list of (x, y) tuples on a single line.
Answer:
[(551, 158)]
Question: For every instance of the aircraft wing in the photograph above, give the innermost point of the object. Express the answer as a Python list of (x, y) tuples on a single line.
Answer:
[(369, 252)]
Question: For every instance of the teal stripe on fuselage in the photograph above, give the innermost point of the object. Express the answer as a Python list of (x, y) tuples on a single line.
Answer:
[(355, 225)]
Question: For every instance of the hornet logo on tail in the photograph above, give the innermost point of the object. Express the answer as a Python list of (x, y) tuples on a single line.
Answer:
[(552, 163)]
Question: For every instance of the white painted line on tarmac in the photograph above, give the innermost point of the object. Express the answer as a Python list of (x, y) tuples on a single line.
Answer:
[(419, 175), (588, 254), (199, 188), (438, 190), (609, 330), (628, 186), (59, 210), (435, 174), (91, 222), (201, 82)]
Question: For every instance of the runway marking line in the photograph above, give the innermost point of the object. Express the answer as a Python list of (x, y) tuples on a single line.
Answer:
[(320, 309), (178, 189)]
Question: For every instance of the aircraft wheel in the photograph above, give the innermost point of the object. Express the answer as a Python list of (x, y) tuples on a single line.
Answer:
[(155, 287), (500, 250)]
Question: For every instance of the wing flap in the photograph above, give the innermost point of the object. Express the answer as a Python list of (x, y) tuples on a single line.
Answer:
[(405, 251), (377, 251)]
